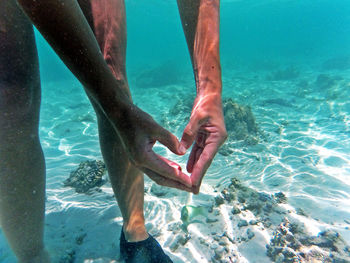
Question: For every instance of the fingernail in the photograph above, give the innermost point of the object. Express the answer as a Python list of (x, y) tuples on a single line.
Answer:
[(182, 149)]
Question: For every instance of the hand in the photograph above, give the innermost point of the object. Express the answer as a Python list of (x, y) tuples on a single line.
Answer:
[(139, 132), (206, 129)]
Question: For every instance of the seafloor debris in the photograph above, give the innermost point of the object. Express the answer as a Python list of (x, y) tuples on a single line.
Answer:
[(251, 212), (88, 175), (291, 244), (246, 198)]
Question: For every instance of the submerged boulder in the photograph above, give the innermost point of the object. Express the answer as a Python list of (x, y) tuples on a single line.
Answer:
[(88, 175), (239, 120), (293, 244)]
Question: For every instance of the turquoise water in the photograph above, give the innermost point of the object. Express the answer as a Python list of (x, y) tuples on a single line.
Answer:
[(288, 60)]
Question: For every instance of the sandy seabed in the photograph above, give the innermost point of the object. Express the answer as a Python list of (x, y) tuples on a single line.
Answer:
[(283, 198)]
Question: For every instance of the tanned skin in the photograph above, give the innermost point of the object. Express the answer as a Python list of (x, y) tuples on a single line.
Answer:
[(127, 134)]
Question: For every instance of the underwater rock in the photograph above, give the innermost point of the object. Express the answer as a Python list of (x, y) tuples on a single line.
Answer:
[(235, 210), (80, 239), (203, 241), (250, 233), (325, 81), (301, 212), (88, 175), (242, 223), (211, 220), (240, 125), (219, 200), (219, 252), (180, 240), (174, 227), (295, 245), (249, 199), (224, 241), (239, 120), (235, 183), (253, 222), (69, 256), (228, 196), (288, 73), (280, 197)]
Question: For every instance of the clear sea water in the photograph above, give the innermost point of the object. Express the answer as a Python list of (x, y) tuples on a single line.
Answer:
[(305, 119)]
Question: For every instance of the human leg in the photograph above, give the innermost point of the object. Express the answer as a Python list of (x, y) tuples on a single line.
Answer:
[(22, 166), (107, 20)]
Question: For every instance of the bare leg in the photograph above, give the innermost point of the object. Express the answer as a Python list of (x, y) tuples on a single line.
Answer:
[(22, 166), (107, 20)]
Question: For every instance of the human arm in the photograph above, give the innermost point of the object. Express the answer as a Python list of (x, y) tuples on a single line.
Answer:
[(64, 26), (206, 128)]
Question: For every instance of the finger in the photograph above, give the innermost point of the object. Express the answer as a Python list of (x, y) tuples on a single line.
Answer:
[(196, 150), (166, 181), (195, 153), (166, 168), (169, 140), (189, 135), (203, 163)]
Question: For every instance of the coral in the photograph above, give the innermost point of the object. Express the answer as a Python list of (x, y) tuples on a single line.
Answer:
[(239, 120), (291, 244), (88, 175)]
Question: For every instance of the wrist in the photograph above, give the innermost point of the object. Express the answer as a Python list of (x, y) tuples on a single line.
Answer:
[(209, 85), (209, 91), (112, 96)]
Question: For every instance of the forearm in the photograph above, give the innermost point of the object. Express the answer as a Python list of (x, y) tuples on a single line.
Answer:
[(201, 22), (65, 28)]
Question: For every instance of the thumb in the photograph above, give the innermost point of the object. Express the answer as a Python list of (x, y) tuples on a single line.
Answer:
[(188, 136)]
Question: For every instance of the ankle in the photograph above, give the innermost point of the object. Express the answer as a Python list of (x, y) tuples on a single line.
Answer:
[(135, 232)]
